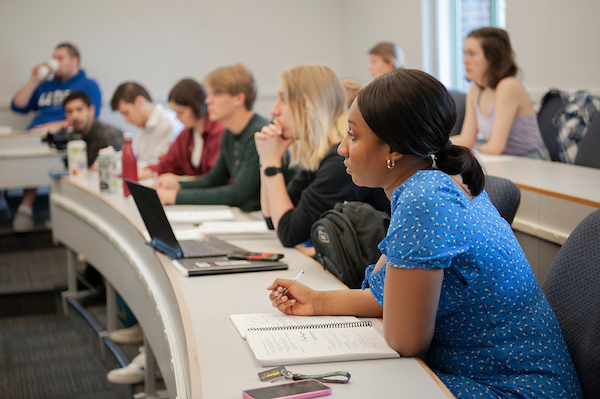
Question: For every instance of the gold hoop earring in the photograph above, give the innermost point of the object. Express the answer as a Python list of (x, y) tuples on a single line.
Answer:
[(390, 163)]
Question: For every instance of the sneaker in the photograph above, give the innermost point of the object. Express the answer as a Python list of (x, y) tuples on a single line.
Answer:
[(23, 222), (128, 336), (133, 373)]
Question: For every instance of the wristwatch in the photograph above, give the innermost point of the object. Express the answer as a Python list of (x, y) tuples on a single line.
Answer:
[(272, 170)]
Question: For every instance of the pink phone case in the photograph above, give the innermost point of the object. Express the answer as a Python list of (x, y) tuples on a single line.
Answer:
[(306, 395)]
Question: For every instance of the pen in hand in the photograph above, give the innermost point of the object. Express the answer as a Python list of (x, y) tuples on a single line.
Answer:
[(156, 179), (285, 290)]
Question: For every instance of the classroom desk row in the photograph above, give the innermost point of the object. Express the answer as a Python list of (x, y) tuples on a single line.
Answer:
[(25, 160), (186, 319), (555, 198)]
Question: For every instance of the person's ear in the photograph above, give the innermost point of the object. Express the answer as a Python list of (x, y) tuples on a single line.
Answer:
[(139, 101), (395, 156), (93, 109), (240, 99)]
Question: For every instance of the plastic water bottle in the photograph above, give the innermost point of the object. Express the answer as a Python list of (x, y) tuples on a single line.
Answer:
[(129, 163), (107, 170), (77, 158)]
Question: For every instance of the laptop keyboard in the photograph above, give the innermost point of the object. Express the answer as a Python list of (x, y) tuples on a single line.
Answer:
[(200, 249)]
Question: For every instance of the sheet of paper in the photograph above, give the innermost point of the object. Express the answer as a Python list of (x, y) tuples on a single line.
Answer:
[(197, 216), (188, 233), (242, 322), (234, 227), (314, 345)]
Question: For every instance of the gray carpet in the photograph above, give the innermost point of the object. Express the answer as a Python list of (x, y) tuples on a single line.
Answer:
[(44, 354)]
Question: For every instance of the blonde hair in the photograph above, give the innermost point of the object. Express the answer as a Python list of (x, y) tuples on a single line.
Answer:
[(390, 52), (317, 102), (352, 88), (233, 80)]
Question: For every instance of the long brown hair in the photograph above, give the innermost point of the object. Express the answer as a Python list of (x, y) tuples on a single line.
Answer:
[(499, 53)]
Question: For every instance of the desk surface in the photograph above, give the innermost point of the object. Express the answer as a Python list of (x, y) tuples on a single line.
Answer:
[(208, 358), (25, 160), (575, 183)]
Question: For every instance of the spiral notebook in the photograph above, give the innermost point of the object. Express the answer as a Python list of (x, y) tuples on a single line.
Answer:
[(277, 340)]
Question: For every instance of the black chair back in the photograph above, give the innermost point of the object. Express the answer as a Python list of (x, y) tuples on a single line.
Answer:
[(460, 100), (551, 104), (504, 195), (572, 287), (588, 152)]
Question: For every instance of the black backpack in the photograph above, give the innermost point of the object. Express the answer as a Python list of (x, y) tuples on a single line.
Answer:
[(346, 238)]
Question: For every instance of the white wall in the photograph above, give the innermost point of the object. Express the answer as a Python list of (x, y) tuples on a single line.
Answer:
[(365, 23), (557, 43), (157, 42)]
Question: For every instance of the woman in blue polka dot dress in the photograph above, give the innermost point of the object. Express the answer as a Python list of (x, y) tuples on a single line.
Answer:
[(453, 284)]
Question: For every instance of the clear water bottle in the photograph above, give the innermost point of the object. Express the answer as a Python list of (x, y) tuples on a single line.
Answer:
[(107, 170), (129, 163)]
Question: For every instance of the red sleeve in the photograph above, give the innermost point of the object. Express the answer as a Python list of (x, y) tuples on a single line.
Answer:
[(177, 157)]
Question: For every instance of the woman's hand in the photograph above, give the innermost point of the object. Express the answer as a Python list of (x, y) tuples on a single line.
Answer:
[(271, 144), (299, 299), (167, 195)]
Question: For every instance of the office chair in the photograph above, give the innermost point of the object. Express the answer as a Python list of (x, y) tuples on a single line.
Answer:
[(588, 152), (571, 287), (504, 195), (460, 101), (551, 104)]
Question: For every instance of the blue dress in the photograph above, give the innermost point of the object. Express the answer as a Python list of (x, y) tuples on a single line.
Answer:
[(495, 333)]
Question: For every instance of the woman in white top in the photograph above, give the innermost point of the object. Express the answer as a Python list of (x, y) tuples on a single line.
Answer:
[(497, 106)]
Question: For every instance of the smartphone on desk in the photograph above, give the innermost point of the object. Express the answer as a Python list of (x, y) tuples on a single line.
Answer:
[(292, 390), (260, 256)]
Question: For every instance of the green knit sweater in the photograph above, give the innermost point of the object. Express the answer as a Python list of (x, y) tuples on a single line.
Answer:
[(235, 179)]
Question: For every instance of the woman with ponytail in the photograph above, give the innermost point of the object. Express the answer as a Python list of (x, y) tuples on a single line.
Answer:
[(310, 118), (453, 284)]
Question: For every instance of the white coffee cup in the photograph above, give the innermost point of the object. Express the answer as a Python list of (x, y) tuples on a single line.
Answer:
[(47, 68)]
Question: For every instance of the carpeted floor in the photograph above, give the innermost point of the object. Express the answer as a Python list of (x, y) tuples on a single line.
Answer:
[(44, 354)]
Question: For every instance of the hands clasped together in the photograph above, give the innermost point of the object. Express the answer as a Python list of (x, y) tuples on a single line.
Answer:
[(271, 144)]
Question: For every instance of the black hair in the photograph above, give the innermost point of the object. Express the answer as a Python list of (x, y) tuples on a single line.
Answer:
[(78, 95), (189, 93), (128, 92), (414, 114)]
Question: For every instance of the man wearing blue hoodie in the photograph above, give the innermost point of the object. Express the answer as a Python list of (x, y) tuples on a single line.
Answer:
[(47, 97)]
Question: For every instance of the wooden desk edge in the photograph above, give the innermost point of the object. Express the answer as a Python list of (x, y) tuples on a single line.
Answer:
[(188, 332), (567, 197)]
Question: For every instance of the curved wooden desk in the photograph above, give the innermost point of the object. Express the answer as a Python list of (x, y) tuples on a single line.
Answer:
[(186, 320)]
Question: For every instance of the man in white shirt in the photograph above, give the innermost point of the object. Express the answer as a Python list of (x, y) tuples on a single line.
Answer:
[(158, 126)]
